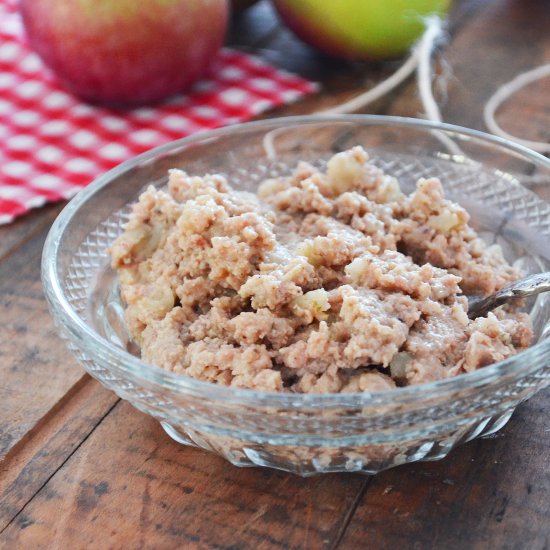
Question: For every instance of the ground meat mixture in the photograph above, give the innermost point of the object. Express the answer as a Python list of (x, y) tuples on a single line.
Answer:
[(322, 282)]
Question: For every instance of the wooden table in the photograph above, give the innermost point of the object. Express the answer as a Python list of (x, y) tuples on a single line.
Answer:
[(80, 468)]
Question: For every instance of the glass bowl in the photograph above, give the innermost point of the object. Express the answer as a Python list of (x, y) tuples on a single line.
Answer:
[(308, 434)]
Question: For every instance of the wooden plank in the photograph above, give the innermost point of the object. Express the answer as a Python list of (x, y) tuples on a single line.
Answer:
[(45, 448), (24, 228), (36, 368), (490, 493), (129, 486)]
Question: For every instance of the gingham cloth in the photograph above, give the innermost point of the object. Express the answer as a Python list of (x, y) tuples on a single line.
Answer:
[(52, 144)]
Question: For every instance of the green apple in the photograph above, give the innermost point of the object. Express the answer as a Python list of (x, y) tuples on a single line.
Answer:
[(126, 51), (359, 29)]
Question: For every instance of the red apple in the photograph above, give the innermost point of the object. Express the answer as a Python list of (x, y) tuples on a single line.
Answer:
[(359, 29), (126, 51)]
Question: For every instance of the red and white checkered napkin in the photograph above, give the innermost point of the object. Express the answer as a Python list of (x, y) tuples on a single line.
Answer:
[(52, 144)]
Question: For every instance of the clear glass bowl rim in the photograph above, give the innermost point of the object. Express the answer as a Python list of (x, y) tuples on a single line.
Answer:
[(530, 359)]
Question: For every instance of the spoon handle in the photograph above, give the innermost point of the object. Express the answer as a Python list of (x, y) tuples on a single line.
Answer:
[(528, 286)]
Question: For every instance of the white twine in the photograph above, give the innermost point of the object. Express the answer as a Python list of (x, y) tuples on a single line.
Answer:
[(420, 61), (433, 35), (506, 91), (424, 71), (358, 102)]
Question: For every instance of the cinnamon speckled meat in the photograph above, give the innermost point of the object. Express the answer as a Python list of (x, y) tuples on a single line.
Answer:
[(322, 282)]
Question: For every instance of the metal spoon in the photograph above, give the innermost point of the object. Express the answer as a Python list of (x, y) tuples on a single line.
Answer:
[(528, 286)]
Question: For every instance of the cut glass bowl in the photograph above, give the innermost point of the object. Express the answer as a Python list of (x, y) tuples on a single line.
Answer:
[(498, 182)]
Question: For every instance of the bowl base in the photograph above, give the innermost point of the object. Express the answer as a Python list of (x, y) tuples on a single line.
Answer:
[(308, 461), (177, 435)]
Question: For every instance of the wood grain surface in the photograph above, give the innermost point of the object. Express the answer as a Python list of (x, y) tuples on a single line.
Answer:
[(81, 469), (37, 370)]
